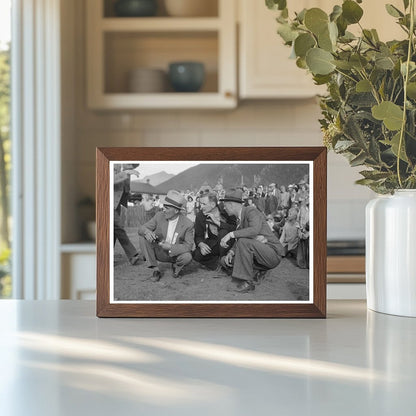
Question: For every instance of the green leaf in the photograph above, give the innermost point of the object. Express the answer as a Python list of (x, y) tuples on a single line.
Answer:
[(375, 35), (319, 61), (321, 79), (384, 62), (363, 86), (374, 174), (394, 143), (301, 63), (325, 42), (411, 90), (316, 20), (358, 61), (345, 65), (391, 114), (303, 43), (343, 145), (406, 4), (351, 11), (287, 33), (276, 4), (359, 160), (347, 38), (301, 15), (342, 25), (336, 12), (393, 11)]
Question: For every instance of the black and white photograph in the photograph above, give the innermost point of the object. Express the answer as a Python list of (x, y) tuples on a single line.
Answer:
[(214, 231)]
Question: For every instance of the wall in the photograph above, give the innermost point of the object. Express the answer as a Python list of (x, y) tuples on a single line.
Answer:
[(253, 123)]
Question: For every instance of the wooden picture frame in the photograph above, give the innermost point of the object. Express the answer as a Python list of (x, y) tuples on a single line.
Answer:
[(293, 159)]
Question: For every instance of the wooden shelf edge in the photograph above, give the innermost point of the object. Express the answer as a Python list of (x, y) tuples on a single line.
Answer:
[(160, 24)]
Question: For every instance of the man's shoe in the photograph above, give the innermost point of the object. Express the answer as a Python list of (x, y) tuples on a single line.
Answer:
[(259, 277), (156, 276), (245, 287), (176, 271)]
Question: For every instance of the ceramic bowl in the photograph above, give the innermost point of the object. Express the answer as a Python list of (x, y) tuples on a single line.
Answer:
[(186, 76), (147, 80), (135, 8)]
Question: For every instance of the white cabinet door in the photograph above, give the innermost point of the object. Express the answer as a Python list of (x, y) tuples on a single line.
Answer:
[(265, 69)]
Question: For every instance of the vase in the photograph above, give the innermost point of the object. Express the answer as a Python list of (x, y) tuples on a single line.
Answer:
[(391, 253)]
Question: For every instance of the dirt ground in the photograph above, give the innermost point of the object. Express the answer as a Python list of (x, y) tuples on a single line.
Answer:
[(286, 282)]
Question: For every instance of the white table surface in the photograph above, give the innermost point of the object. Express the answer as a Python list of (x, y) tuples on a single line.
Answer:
[(57, 358)]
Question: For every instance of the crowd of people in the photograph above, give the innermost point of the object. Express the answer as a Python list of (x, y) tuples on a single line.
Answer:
[(239, 232)]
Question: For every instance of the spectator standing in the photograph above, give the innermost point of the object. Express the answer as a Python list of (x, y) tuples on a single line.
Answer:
[(121, 194)]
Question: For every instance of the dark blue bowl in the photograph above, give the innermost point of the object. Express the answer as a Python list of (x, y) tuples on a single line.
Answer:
[(186, 76), (135, 8)]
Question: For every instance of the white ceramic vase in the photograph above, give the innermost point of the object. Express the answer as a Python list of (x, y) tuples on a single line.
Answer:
[(391, 253)]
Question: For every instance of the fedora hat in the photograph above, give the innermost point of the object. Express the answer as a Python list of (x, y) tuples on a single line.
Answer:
[(175, 199), (233, 195)]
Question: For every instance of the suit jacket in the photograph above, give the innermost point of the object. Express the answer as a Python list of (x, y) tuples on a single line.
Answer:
[(121, 189), (253, 224), (184, 230)]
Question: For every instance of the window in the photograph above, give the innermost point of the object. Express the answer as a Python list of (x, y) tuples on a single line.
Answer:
[(5, 147)]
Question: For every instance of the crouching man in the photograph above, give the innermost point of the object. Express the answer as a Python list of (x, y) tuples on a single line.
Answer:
[(168, 237), (256, 248), (210, 226)]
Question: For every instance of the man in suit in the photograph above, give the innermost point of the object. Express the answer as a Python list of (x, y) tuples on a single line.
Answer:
[(168, 236), (122, 174), (210, 226), (256, 248)]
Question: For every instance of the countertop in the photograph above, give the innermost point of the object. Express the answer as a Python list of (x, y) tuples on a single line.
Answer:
[(57, 358)]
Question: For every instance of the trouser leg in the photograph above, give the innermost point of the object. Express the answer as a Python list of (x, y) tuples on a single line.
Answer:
[(149, 251), (121, 235), (249, 252), (183, 259), (209, 260)]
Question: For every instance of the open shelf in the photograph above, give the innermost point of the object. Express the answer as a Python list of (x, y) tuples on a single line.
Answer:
[(118, 45)]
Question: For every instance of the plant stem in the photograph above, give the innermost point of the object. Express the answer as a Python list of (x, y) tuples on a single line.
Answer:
[(405, 81)]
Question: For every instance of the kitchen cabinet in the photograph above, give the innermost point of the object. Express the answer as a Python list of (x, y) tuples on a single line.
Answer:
[(118, 45), (265, 70), (78, 263)]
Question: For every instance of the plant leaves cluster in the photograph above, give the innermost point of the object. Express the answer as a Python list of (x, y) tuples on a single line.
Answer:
[(365, 107)]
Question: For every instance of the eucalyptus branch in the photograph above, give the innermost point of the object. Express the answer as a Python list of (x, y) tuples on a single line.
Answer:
[(346, 75), (406, 79), (373, 88)]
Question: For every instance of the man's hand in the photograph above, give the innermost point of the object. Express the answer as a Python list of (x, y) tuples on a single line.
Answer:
[(225, 240), (166, 246), (150, 236), (205, 249), (229, 258), (261, 238)]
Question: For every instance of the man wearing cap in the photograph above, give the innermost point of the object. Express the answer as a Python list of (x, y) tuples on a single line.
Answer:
[(256, 248), (168, 236)]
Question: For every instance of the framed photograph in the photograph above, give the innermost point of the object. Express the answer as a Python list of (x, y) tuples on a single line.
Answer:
[(211, 232)]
